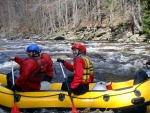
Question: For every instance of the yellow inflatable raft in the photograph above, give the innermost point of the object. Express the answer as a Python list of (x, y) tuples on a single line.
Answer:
[(124, 98)]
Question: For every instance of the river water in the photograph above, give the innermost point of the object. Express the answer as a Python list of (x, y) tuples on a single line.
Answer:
[(112, 61)]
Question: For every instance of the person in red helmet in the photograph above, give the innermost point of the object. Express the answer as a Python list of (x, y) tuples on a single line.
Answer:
[(82, 68)]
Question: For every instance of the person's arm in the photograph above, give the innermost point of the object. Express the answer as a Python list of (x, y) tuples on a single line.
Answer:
[(146, 62), (78, 73), (19, 60), (67, 65), (25, 72)]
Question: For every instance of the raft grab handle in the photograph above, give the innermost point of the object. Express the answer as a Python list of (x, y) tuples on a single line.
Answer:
[(138, 100)]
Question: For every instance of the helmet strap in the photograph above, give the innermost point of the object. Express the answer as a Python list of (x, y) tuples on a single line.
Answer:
[(80, 52), (34, 54)]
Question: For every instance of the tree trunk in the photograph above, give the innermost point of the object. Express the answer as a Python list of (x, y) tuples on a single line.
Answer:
[(111, 14), (134, 18), (66, 15), (99, 11), (139, 11), (75, 13)]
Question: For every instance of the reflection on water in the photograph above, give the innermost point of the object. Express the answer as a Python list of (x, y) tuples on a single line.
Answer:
[(112, 61)]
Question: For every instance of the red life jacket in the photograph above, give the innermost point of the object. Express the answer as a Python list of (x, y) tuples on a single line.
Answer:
[(44, 62)]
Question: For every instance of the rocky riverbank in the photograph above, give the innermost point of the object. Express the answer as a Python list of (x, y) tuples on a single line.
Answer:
[(97, 33)]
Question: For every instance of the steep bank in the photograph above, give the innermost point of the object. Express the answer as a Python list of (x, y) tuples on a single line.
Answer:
[(98, 33)]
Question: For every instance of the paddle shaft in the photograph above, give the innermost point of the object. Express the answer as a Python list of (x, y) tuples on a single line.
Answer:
[(74, 110), (13, 79), (65, 80), (65, 77), (63, 71), (14, 108), (12, 71)]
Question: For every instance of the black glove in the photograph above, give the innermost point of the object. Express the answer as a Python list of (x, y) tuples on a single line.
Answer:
[(148, 62), (13, 87), (60, 60)]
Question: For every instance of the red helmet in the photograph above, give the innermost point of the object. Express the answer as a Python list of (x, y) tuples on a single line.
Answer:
[(80, 47)]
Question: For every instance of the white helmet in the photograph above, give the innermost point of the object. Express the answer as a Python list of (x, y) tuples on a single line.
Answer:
[(100, 86)]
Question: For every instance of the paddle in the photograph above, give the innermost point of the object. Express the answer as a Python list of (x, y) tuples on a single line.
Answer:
[(74, 110), (14, 108), (147, 66)]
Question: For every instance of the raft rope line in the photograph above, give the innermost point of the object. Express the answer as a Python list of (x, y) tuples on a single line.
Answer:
[(72, 96), (64, 94)]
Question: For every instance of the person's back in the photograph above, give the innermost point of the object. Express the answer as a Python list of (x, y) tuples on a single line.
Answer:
[(48, 67), (87, 68)]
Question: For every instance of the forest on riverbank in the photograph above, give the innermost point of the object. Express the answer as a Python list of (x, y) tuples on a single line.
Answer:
[(113, 20)]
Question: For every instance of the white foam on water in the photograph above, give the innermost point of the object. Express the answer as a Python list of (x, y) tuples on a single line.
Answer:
[(8, 64)]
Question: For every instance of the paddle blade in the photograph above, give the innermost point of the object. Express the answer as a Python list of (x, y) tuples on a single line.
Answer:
[(15, 109), (74, 110), (109, 87)]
